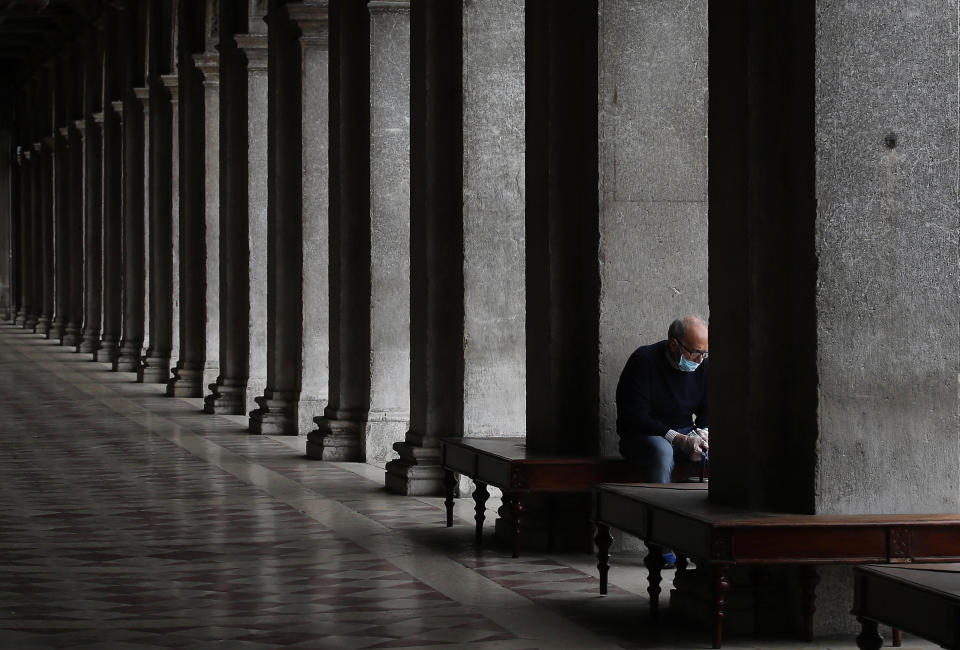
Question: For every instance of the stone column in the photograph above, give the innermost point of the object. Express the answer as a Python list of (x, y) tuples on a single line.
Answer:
[(170, 82), (62, 205), (74, 239), (228, 393), (27, 217), (477, 156), (254, 47), (834, 288), (244, 232), (93, 233), (160, 202), (46, 236), (199, 230), (389, 257), (113, 170), (340, 431), (35, 266), (297, 326), (7, 244), (134, 260)]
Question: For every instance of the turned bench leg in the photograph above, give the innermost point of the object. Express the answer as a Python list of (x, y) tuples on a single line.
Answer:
[(721, 585), (654, 563), (480, 496), (450, 486), (604, 539)]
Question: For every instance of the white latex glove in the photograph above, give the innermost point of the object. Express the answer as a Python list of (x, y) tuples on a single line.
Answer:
[(704, 435), (690, 444)]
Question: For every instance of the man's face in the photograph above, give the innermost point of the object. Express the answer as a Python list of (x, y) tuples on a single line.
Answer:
[(694, 345)]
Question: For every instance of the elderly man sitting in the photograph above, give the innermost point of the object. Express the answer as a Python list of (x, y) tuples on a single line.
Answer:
[(662, 400)]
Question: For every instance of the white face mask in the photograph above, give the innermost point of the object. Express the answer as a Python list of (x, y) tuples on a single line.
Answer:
[(686, 365)]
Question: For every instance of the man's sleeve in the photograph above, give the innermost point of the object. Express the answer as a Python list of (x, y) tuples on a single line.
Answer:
[(635, 393)]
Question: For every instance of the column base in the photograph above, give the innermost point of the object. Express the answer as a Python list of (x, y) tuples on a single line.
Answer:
[(129, 358), (336, 439), (228, 397), (277, 414), (89, 342), (21, 318), (57, 328), (108, 351), (42, 326), (186, 382), (154, 369), (383, 431), (416, 473), (30, 323), (692, 597), (71, 336)]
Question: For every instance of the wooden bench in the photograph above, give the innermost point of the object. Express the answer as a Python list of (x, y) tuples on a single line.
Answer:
[(505, 463), (923, 599), (680, 517)]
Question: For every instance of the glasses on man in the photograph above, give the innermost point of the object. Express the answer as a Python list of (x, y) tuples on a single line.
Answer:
[(695, 355)]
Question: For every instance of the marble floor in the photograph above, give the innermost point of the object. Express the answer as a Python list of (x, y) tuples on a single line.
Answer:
[(131, 520)]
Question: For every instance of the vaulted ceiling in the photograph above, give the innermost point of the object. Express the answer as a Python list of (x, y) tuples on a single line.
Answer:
[(33, 31)]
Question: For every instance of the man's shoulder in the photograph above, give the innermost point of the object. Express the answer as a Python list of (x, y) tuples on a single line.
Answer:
[(649, 351)]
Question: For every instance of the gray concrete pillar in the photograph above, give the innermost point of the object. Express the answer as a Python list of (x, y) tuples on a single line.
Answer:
[(73, 321), (254, 47), (134, 254), (297, 326), (483, 346), (47, 222), (652, 71), (92, 233), (160, 201), (389, 412), (171, 84), (62, 205), (229, 393), (7, 244), (35, 265), (199, 226), (834, 289), (340, 431), (112, 232), (24, 255), (562, 239)]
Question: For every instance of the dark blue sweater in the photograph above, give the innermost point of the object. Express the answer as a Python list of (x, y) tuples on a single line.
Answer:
[(653, 396)]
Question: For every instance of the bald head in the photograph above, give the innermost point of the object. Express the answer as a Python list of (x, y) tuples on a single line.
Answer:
[(688, 336)]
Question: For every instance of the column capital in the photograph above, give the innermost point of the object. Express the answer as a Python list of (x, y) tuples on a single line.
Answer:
[(97, 117), (208, 63), (37, 146), (64, 132), (254, 47), (143, 94), (172, 83), (80, 125), (313, 21), (389, 6), (26, 154), (117, 107)]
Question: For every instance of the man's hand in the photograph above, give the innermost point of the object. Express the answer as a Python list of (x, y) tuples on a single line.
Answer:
[(690, 444), (703, 433)]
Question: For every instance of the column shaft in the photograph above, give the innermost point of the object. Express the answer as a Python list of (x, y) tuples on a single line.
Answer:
[(74, 239), (340, 430), (297, 258), (161, 199), (46, 236), (92, 233), (24, 254), (62, 206), (113, 170), (134, 260)]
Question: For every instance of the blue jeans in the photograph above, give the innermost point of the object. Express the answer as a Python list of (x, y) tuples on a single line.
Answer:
[(658, 457)]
